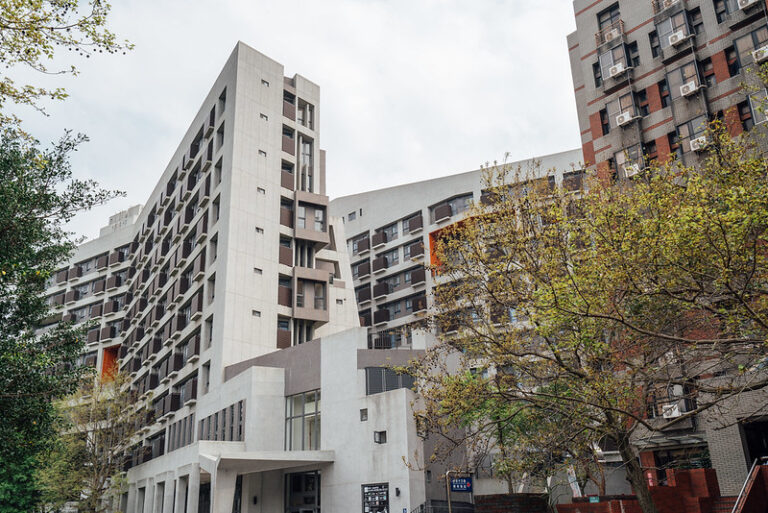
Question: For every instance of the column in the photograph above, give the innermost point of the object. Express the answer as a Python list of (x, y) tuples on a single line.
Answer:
[(193, 489), (223, 490), (170, 492), (149, 489), (182, 484), (132, 493)]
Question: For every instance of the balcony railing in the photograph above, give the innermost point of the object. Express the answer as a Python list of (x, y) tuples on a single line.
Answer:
[(612, 33)]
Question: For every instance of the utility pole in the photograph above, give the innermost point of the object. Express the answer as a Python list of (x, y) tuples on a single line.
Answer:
[(448, 489)]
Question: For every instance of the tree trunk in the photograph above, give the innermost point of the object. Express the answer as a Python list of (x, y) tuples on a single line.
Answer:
[(635, 474)]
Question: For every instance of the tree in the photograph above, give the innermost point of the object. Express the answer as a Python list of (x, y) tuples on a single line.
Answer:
[(36, 31), (37, 197), (98, 424), (606, 308)]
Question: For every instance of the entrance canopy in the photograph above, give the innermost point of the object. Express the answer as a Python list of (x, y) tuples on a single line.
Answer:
[(261, 461)]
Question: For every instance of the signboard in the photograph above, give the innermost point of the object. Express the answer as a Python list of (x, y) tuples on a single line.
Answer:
[(376, 498), (594, 499), (461, 484)]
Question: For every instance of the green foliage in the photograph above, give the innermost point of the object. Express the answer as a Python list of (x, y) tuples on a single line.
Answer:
[(37, 197), (591, 307), (34, 32)]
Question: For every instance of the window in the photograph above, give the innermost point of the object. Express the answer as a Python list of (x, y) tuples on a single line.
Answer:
[(653, 39), (391, 257), (683, 79), (598, 76), (319, 220), (673, 29), (352, 216), (758, 103), (363, 414), (264, 116), (380, 437), (630, 160), (745, 45), (301, 218), (259, 229), (708, 72), (302, 421), (691, 130), (614, 57), (305, 114), (633, 55), (382, 379), (264, 83), (745, 116), (605, 121), (305, 164), (320, 296), (608, 17), (641, 100), (695, 20), (733, 61), (664, 93), (722, 8), (222, 101), (391, 231)]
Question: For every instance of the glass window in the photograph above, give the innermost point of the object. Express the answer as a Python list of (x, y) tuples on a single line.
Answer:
[(630, 160), (684, 80), (302, 421), (301, 217), (747, 44), (673, 30), (614, 57), (758, 103), (691, 130), (608, 17)]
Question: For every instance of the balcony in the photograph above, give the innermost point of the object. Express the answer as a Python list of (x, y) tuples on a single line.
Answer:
[(286, 255), (416, 251), (285, 296), (364, 295), (415, 224), (289, 145), (381, 290), (102, 262), (363, 270), (381, 317), (612, 34), (289, 110), (379, 265), (286, 217), (116, 257), (283, 338), (442, 212), (378, 239), (287, 180), (418, 276), (363, 246)]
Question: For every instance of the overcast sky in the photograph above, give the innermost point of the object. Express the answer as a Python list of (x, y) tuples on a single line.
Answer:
[(411, 89)]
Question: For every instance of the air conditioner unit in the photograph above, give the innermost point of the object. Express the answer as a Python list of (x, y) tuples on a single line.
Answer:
[(624, 118), (671, 410), (743, 4), (678, 37), (631, 170), (689, 88), (612, 34), (760, 54), (699, 143), (618, 69)]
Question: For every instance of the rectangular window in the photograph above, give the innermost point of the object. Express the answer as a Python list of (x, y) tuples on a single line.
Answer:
[(693, 129), (302, 421), (382, 379), (653, 39), (614, 60), (745, 45), (758, 104), (301, 217), (605, 121), (664, 93), (674, 30), (319, 220), (596, 73), (380, 437)]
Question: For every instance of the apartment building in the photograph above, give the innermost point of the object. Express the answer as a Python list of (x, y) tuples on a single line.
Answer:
[(390, 232), (649, 74), (228, 300)]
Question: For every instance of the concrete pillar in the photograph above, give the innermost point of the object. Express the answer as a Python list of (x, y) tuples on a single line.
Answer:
[(223, 490), (132, 492), (149, 489), (182, 483), (157, 504), (168, 497), (193, 486)]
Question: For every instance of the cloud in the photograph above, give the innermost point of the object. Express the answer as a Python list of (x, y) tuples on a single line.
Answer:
[(411, 89)]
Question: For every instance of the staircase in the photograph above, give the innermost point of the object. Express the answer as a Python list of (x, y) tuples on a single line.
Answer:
[(753, 497)]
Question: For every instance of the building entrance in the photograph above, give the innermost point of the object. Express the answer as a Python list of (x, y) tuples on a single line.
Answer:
[(755, 439), (302, 492)]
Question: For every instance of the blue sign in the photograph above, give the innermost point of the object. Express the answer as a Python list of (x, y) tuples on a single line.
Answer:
[(594, 499), (461, 484)]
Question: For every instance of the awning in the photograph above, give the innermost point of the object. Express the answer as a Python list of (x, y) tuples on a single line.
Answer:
[(263, 461)]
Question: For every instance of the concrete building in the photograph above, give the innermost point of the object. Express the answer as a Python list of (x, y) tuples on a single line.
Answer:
[(390, 232), (647, 76), (228, 300)]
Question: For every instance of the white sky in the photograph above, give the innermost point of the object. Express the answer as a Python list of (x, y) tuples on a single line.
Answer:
[(411, 89)]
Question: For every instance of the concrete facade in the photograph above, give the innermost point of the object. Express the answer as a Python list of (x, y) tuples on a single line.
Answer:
[(227, 298)]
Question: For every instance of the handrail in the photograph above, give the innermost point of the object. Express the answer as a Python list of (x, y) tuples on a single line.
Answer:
[(750, 478)]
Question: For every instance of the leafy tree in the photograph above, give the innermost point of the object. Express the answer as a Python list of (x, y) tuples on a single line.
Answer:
[(34, 32), (98, 424), (603, 309), (37, 197)]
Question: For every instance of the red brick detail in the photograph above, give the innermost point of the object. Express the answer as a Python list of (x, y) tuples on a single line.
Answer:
[(654, 98), (577, 45), (587, 56), (721, 36), (720, 64), (733, 120), (643, 24), (657, 125), (728, 93), (595, 125), (604, 173), (648, 462), (588, 150), (588, 7), (663, 150)]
